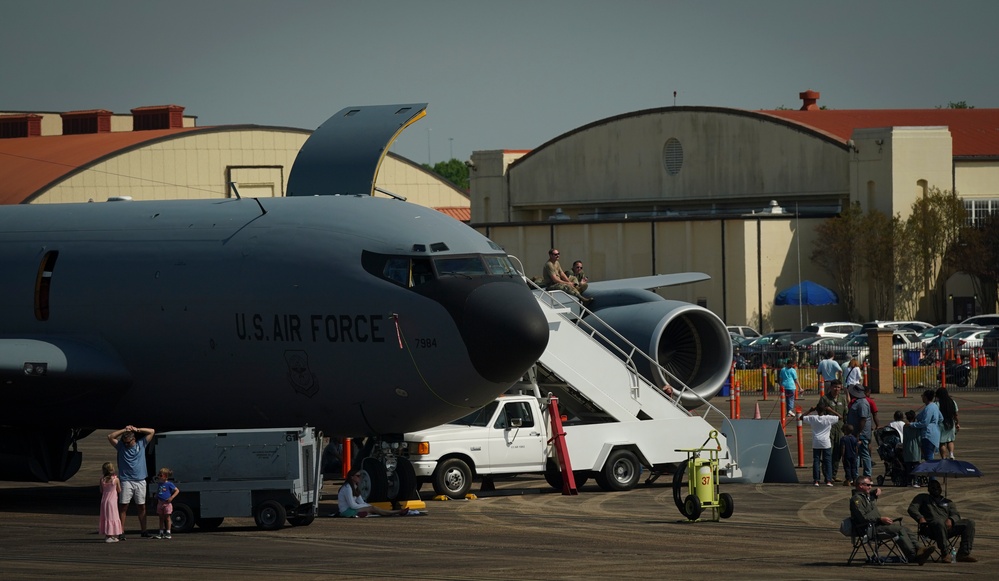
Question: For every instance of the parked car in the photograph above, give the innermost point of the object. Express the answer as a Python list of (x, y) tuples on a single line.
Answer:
[(743, 331), (966, 341), (814, 349), (991, 344), (859, 346), (773, 348), (837, 329), (947, 333), (983, 320)]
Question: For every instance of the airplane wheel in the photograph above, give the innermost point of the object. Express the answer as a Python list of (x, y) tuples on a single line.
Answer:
[(208, 524), (680, 486), (182, 519), (453, 478), (726, 505), (374, 481), (270, 515), (692, 507), (405, 484), (621, 471)]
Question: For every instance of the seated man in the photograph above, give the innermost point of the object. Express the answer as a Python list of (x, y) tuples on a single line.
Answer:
[(864, 511), (578, 277), (554, 278), (939, 520)]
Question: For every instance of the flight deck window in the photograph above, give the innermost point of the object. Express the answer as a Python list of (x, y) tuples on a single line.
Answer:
[(397, 270), (460, 266), (500, 265)]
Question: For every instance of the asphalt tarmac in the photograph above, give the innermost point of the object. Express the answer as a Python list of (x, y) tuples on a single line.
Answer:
[(787, 531)]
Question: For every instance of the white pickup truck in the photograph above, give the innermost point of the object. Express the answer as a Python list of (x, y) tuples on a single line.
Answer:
[(511, 436), (508, 436)]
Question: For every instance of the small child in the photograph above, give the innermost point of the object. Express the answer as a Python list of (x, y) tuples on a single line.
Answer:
[(110, 487), (851, 450), (910, 447), (164, 501), (897, 424)]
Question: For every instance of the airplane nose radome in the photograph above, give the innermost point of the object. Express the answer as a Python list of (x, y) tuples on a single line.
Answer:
[(504, 330)]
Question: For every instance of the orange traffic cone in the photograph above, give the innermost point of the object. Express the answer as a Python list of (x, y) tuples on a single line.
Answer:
[(981, 357), (756, 416)]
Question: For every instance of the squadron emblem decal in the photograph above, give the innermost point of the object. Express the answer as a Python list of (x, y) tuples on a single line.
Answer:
[(299, 374)]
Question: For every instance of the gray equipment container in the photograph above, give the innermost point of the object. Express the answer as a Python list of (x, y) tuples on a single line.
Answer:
[(269, 474)]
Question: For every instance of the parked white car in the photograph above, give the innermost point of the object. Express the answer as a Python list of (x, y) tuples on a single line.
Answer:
[(837, 329)]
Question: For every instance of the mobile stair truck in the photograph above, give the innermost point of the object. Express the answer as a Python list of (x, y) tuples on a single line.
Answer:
[(616, 423), (272, 475)]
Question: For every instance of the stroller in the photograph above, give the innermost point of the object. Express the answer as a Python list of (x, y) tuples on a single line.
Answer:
[(890, 451)]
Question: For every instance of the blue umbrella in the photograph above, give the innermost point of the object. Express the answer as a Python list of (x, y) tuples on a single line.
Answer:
[(947, 467), (806, 293)]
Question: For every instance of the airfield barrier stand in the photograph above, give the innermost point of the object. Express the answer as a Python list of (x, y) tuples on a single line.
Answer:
[(905, 381), (801, 444), (783, 411), (738, 399), (345, 457), (763, 381), (864, 372), (943, 373)]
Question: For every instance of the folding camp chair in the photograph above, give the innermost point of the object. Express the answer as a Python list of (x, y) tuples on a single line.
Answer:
[(924, 538), (879, 547)]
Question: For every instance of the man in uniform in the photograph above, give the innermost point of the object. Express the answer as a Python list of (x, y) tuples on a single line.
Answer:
[(939, 520), (554, 278), (864, 511)]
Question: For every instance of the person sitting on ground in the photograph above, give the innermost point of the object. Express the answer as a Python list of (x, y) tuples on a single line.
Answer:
[(554, 278), (350, 503), (939, 520), (578, 277), (864, 511)]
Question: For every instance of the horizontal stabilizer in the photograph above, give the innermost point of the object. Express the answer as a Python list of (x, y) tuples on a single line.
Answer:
[(648, 282)]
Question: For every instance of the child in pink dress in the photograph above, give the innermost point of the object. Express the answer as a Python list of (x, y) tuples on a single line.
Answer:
[(110, 518)]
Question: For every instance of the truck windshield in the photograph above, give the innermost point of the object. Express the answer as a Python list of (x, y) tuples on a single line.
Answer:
[(478, 418)]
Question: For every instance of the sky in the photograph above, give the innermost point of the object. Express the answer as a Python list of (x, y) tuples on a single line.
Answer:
[(497, 75)]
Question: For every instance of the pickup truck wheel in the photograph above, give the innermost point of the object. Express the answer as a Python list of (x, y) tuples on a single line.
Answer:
[(182, 519), (209, 524), (621, 471), (270, 515), (453, 478), (553, 476)]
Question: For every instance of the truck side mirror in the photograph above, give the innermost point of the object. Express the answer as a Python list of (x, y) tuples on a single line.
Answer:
[(516, 422)]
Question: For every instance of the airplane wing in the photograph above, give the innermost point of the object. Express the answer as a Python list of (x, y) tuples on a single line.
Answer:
[(648, 282)]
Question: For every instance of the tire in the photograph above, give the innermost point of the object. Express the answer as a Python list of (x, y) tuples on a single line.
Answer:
[(962, 381), (270, 515), (374, 481), (680, 486), (452, 478), (621, 471), (726, 505), (553, 476), (302, 520), (209, 524), (692, 507), (406, 486), (182, 519)]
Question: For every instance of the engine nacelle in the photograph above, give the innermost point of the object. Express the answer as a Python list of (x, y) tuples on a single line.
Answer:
[(688, 341)]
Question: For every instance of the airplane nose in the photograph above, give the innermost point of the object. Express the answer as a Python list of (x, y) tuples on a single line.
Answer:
[(504, 330)]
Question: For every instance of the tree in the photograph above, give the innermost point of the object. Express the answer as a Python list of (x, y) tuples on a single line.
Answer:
[(932, 229), (453, 170), (876, 259), (957, 105), (976, 253), (834, 250)]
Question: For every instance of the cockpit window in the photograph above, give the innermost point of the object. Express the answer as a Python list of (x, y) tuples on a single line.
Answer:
[(500, 265), (460, 266), (408, 272)]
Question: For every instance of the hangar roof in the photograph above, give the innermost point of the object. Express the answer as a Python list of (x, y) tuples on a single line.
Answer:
[(975, 132)]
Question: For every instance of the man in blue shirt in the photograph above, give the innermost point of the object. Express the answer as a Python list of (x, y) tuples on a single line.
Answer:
[(828, 371), (130, 443), (859, 416)]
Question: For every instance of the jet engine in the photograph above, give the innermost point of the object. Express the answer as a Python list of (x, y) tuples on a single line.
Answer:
[(690, 342)]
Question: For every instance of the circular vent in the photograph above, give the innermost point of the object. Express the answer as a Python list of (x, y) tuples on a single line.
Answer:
[(672, 156)]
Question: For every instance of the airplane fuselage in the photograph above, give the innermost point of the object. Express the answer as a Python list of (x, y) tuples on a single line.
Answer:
[(355, 314)]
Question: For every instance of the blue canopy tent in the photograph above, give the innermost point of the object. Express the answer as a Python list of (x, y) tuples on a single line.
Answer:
[(806, 293)]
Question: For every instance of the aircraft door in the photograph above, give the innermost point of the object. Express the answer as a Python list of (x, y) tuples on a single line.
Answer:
[(516, 440)]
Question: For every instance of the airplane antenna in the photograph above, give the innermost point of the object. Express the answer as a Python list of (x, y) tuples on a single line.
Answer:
[(390, 194), (232, 185)]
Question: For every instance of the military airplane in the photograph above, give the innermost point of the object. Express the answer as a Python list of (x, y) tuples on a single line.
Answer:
[(328, 307)]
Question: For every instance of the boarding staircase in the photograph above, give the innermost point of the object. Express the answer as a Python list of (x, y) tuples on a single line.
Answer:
[(581, 366)]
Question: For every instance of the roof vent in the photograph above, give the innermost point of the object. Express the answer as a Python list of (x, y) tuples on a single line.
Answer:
[(79, 122), (27, 125), (809, 100), (157, 117)]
